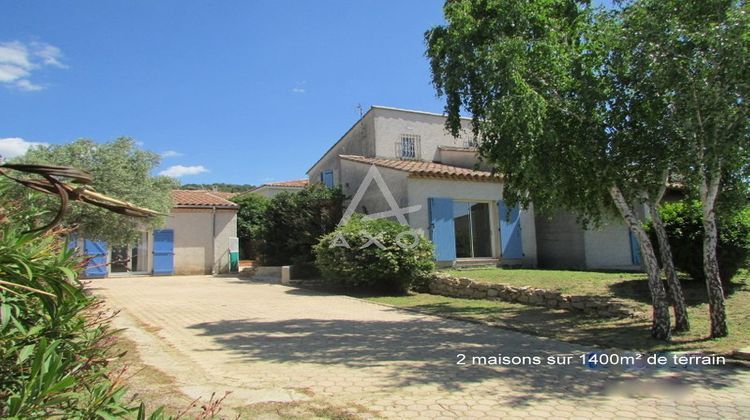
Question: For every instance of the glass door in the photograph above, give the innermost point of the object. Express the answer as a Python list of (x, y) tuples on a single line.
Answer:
[(473, 234)]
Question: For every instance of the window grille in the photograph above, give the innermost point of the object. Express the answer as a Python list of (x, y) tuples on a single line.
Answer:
[(408, 146)]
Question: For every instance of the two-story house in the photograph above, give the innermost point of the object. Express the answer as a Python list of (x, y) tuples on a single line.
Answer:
[(455, 201)]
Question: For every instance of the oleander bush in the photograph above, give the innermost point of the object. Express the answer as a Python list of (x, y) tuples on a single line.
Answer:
[(380, 255), (56, 342), (682, 221)]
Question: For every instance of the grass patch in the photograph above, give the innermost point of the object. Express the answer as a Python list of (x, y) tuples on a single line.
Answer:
[(632, 334), (565, 281)]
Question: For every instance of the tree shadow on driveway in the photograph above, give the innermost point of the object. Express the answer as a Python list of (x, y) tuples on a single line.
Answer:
[(424, 350)]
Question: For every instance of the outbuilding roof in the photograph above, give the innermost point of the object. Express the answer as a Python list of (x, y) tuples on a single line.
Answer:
[(200, 198), (297, 183), (423, 169)]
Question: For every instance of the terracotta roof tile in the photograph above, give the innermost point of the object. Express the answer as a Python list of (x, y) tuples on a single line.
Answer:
[(301, 183), (224, 194), (200, 198), (423, 169)]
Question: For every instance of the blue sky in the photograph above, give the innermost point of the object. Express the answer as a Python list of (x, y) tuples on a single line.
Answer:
[(248, 91), (251, 90)]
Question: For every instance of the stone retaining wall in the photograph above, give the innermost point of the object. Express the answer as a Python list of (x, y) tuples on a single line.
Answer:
[(462, 287)]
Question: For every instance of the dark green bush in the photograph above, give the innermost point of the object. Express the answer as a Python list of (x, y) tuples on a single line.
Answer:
[(294, 222), (682, 220), (341, 258), (250, 222)]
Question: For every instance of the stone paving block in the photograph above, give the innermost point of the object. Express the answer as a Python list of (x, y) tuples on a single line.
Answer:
[(268, 341)]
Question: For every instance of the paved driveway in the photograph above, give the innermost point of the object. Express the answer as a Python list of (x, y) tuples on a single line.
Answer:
[(274, 343)]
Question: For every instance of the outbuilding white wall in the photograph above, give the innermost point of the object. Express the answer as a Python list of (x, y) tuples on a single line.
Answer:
[(195, 251)]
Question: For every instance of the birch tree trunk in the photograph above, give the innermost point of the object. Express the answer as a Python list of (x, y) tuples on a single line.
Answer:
[(660, 325), (716, 305), (675, 288)]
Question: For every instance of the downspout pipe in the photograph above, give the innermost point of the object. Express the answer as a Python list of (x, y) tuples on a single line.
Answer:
[(213, 240)]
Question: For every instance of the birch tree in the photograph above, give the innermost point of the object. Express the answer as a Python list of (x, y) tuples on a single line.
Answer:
[(530, 74), (640, 124), (698, 59)]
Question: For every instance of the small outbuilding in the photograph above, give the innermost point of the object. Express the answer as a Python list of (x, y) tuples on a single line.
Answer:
[(197, 237), (272, 189)]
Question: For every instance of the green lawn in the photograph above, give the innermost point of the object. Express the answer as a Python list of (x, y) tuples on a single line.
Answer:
[(566, 281), (568, 326)]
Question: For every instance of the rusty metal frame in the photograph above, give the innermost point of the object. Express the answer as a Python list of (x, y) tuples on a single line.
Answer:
[(50, 184)]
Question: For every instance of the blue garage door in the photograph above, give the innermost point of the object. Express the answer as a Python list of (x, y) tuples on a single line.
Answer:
[(442, 231), (164, 251), (96, 252), (510, 231)]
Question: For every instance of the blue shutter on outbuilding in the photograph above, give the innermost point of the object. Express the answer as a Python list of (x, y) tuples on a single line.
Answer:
[(635, 249), (442, 231), (97, 253), (510, 231), (327, 178), (164, 251), (72, 241)]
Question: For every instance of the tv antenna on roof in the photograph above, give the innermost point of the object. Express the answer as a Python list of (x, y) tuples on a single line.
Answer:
[(360, 110)]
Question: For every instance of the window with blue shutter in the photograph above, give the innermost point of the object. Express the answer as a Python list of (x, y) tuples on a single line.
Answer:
[(510, 231), (635, 249), (442, 230), (326, 177)]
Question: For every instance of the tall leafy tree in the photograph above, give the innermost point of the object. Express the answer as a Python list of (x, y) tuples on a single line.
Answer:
[(641, 131), (119, 169), (531, 75), (695, 55)]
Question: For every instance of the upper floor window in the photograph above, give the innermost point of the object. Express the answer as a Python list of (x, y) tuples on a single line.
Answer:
[(326, 177), (408, 146)]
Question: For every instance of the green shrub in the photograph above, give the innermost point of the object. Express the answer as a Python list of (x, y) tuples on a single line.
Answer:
[(250, 222), (55, 339), (682, 220), (341, 258), (294, 222)]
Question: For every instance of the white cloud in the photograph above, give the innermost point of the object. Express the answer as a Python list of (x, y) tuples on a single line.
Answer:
[(177, 171), (24, 84), (15, 146), (299, 87), (18, 61), (170, 153)]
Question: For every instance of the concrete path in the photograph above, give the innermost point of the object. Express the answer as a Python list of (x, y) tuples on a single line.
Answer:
[(269, 342)]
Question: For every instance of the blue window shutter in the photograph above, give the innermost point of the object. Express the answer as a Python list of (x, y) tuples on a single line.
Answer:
[(72, 241), (511, 243), (327, 178), (164, 251), (96, 252), (442, 231), (635, 249)]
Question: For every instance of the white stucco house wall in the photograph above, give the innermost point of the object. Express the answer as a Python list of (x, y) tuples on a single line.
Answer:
[(195, 239), (272, 189), (461, 207)]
